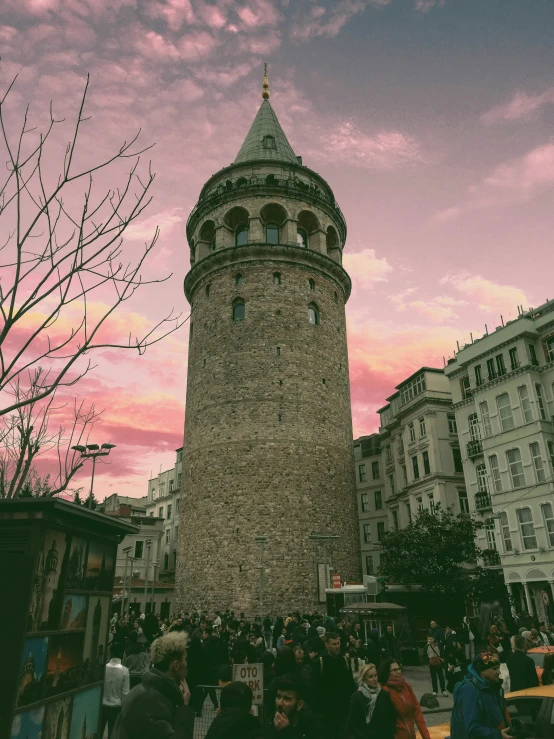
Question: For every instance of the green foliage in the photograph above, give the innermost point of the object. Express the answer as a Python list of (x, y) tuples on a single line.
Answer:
[(436, 551), (487, 585), (36, 486)]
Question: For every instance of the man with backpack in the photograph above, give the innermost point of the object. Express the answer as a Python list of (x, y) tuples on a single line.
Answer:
[(333, 685), (479, 705)]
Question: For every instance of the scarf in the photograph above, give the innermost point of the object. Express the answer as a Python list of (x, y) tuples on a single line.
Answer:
[(371, 694), (396, 681)]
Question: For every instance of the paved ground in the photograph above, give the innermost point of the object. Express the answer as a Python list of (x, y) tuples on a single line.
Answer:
[(420, 680)]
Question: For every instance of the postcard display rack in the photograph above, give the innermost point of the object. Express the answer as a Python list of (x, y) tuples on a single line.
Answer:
[(57, 564)]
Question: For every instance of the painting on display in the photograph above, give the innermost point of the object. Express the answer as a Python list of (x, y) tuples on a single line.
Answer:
[(64, 667), (28, 725), (46, 592), (74, 612), (57, 719), (85, 716), (94, 653), (100, 566), (76, 564), (32, 671)]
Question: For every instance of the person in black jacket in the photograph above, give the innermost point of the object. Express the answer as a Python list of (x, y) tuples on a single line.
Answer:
[(235, 719), (158, 707), (333, 684), (293, 718), (371, 714), (521, 667)]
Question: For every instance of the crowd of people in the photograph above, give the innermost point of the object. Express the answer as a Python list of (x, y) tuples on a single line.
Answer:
[(323, 679)]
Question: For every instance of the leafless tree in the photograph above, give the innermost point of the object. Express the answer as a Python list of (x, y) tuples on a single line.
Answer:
[(63, 249)]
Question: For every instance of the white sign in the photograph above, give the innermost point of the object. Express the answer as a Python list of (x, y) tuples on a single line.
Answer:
[(253, 676)]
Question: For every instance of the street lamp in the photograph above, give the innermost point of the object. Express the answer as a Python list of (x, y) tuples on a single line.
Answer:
[(324, 538), (93, 451), (155, 566), (126, 551), (148, 544), (262, 541)]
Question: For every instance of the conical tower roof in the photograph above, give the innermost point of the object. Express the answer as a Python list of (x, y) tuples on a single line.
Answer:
[(257, 145)]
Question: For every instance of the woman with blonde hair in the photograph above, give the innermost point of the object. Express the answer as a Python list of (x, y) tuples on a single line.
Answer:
[(371, 713)]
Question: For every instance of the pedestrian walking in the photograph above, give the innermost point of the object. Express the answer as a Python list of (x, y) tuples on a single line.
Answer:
[(521, 667), (468, 638), (333, 685), (136, 659), (390, 649), (407, 710), (436, 632), (116, 687), (235, 719), (479, 705), (158, 707), (371, 713), (436, 665), (293, 718)]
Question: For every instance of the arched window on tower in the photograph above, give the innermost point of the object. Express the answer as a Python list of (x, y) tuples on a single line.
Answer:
[(241, 236), (276, 278), (239, 279), (311, 282), (313, 314), (301, 237), (272, 233), (239, 310)]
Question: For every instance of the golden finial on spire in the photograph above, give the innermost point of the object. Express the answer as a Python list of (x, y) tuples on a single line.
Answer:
[(265, 93)]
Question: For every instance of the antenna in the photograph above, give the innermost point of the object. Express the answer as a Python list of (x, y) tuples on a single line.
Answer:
[(458, 345), (471, 335), (502, 319), (486, 330)]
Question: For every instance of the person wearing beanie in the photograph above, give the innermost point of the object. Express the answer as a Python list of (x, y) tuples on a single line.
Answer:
[(479, 705)]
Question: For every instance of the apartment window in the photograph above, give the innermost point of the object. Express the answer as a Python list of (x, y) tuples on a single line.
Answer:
[(465, 387), (391, 483), (167, 535), (505, 412), (431, 502), (452, 425), (412, 389), (166, 561), (422, 431), (375, 470), (463, 501), (478, 375), (485, 418), (548, 516), (537, 461), (161, 511), (514, 358), (152, 513), (409, 512), (239, 311), (369, 565), (550, 445), (481, 478), (415, 467), (506, 536), (378, 500), (526, 411), (500, 366), (474, 429), (411, 431), (419, 502), (426, 465), (139, 548), (516, 468), (365, 502), (389, 453), (405, 474), (179, 476), (491, 369), (540, 400), (395, 520), (457, 455), (176, 533), (491, 535), (380, 530), (361, 473), (533, 355), (400, 446), (367, 533), (527, 528), (495, 473), (550, 349)]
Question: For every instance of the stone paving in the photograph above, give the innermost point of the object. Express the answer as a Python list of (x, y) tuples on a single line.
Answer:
[(420, 680)]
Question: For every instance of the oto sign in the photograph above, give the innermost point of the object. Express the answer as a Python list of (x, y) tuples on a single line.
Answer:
[(253, 676), (336, 581)]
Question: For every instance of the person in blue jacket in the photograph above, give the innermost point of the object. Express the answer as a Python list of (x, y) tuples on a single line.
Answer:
[(479, 707)]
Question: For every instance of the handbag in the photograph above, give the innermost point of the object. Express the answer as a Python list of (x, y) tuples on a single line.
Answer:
[(435, 661)]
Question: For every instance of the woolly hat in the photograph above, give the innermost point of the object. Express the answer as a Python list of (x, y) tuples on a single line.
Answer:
[(485, 660)]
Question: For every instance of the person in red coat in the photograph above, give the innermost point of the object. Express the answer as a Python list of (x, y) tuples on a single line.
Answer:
[(406, 706)]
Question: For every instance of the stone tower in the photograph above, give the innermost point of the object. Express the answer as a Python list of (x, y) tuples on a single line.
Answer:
[(268, 428)]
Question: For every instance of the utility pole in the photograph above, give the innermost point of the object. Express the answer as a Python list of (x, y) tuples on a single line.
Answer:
[(155, 566), (148, 544), (324, 538), (126, 551), (92, 451), (262, 541)]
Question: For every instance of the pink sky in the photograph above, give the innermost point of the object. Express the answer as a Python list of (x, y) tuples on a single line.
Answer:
[(430, 119)]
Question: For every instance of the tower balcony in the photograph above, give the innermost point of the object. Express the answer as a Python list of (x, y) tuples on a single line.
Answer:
[(483, 501), (474, 448)]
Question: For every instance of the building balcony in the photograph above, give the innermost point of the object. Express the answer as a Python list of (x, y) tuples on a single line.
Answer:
[(474, 448), (491, 558), (483, 501)]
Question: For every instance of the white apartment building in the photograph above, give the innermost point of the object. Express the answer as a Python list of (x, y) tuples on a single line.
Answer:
[(413, 462), (372, 511), (503, 393), (163, 502)]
